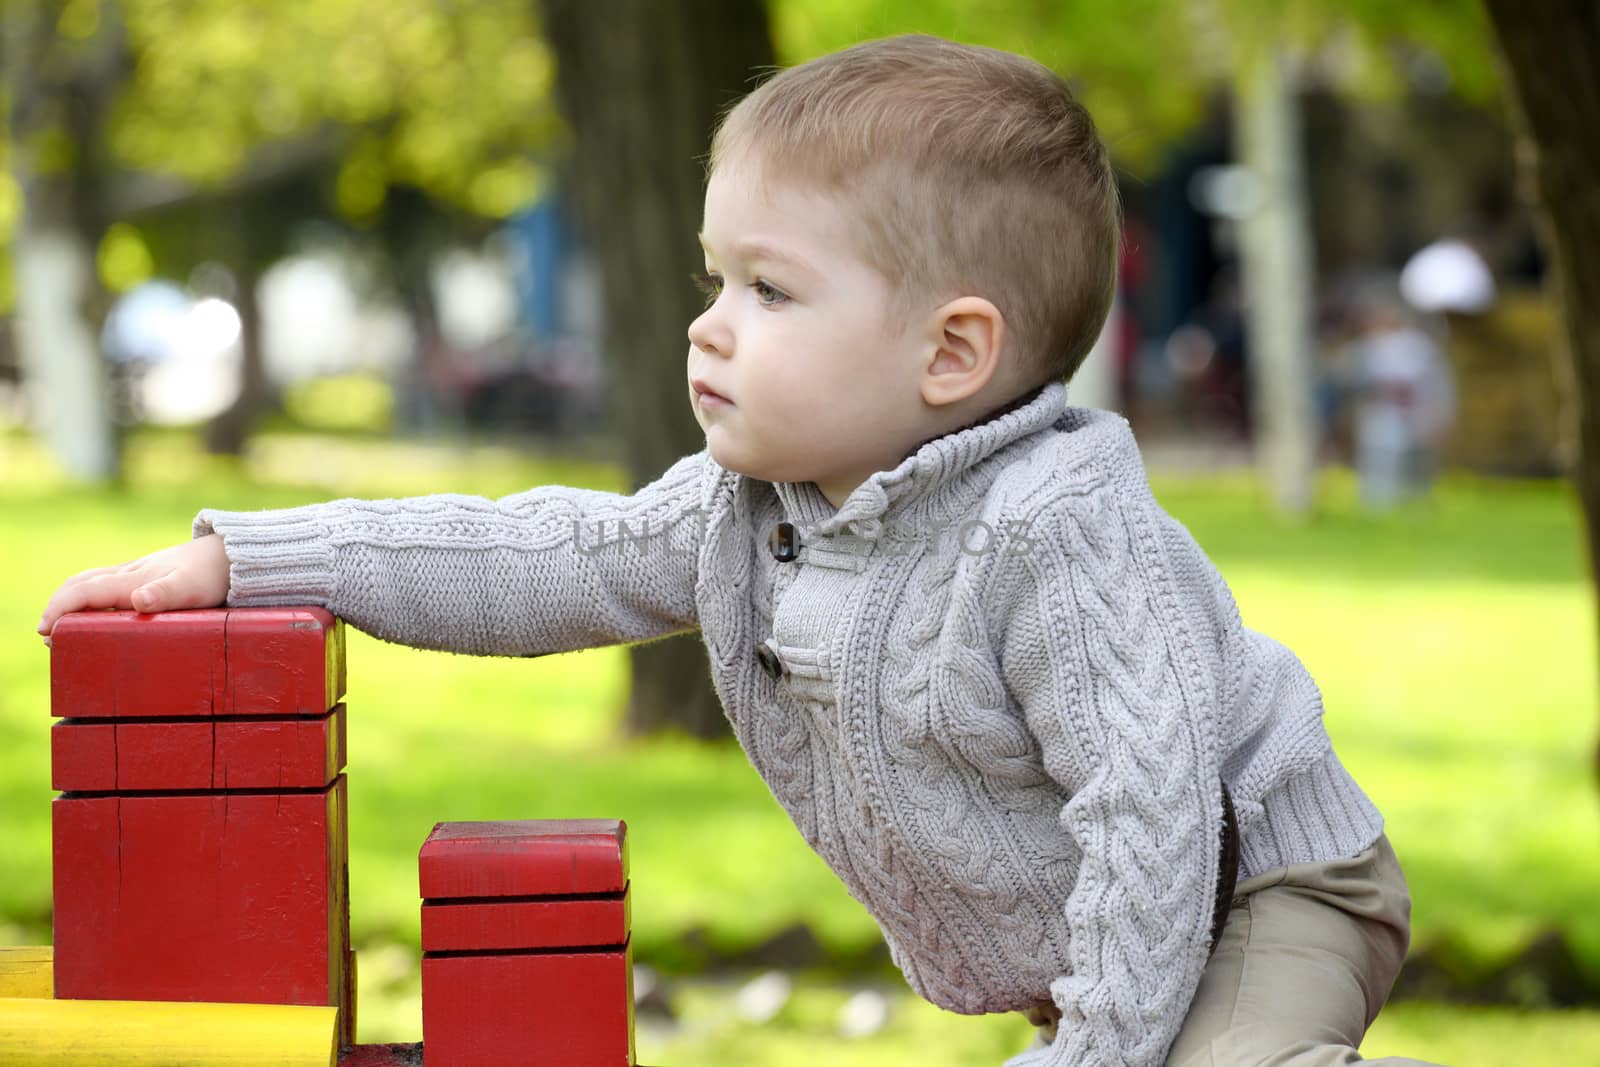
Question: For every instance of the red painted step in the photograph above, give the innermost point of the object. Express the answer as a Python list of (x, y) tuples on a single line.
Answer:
[(219, 662), (528, 958)]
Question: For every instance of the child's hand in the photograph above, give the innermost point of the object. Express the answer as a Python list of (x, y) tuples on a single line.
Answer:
[(191, 575)]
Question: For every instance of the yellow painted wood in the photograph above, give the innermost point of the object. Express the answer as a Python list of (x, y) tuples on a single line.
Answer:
[(28, 971), (152, 1033)]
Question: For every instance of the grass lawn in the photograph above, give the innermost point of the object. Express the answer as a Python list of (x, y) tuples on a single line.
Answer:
[(1454, 644), (807, 1032)]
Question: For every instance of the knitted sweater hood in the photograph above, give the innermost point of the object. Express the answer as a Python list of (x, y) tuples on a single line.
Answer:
[(995, 689)]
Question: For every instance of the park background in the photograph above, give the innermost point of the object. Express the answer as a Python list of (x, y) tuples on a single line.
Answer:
[(258, 256)]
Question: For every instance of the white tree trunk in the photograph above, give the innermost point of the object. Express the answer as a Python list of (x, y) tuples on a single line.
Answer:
[(64, 380), (62, 372), (1094, 385), (1276, 255)]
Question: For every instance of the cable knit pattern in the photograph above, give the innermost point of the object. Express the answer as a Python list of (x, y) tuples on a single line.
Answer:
[(1144, 803), (1006, 685), (551, 569)]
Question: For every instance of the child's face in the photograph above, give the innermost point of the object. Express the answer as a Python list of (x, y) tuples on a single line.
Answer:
[(818, 371)]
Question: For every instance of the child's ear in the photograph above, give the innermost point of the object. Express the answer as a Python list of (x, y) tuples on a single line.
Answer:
[(968, 336)]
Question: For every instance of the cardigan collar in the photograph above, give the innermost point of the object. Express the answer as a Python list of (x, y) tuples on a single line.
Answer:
[(931, 466)]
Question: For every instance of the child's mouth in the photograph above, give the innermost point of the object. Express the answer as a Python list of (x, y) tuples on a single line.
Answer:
[(708, 399)]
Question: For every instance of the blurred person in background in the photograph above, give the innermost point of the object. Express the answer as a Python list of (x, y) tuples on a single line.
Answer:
[(1403, 394)]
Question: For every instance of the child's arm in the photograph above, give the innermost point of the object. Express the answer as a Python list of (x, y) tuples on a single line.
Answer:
[(1099, 656), (551, 569)]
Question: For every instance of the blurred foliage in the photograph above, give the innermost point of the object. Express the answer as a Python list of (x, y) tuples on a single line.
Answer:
[(1514, 401), (450, 99), (455, 99), (1145, 68), (341, 403), (123, 258)]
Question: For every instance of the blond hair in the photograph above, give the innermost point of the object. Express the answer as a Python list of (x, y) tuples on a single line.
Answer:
[(970, 171)]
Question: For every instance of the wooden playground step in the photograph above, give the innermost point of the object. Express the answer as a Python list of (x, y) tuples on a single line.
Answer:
[(201, 886)]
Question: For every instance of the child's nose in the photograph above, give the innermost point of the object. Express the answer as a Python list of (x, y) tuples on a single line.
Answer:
[(708, 335)]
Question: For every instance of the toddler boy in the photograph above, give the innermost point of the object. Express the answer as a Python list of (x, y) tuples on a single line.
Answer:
[(1000, 691)]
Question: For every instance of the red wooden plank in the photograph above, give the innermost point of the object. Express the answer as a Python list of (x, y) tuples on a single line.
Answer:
[(289, 658), (281, 754), (117, 663), (524, 924), (139, 756), (232, 898), (556, 1009), (85, 756), (162, 755), (525, 858), (196, 664)]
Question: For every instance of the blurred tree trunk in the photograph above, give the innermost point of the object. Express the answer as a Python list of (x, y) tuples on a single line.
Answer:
[(227, 432), (59, 93), (411, 234), (641, 84), (1276, 256), (243, 225), (1550, 53)]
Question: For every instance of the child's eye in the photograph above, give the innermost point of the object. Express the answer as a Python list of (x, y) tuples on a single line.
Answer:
[(709, 284), (767, 294)]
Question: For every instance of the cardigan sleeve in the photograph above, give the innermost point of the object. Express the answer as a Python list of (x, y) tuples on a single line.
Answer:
[(550, 569), (1098, 657)]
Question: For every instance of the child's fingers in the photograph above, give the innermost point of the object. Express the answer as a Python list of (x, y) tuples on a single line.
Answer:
[(104, 590), (162, 594), (192, 585), (93, 573), (69, 593)]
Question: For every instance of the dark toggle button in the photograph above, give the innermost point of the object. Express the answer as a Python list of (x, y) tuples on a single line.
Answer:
[(784, 542), (768, 658)]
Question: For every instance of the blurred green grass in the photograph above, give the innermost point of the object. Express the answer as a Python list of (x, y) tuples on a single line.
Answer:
[(1454, 642), (806, 1032), (710, 1032)]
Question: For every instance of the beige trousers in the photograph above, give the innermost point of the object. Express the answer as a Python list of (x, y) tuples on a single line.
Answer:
[(1307, 958)]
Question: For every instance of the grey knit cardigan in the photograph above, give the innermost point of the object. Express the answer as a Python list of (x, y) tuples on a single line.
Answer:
[(995, 689)]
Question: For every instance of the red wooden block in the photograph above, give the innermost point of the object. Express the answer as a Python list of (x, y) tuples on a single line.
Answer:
[(538, 857), (525, 924), (196, 664), (165, 755), (535, 1009), (86, 757), (143, 755), (279, 754), (220, 897)]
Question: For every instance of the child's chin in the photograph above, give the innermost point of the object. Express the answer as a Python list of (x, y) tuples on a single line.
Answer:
[(727, 459), (738, 463)]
